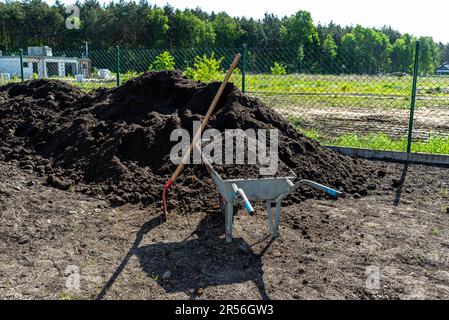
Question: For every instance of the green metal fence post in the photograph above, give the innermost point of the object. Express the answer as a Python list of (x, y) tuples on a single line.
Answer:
[(413, 98), (244, 68), (118, 66), (22, 77)]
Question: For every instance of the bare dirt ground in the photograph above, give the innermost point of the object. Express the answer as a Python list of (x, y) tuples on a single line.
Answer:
[(394, 122), (48, 235)]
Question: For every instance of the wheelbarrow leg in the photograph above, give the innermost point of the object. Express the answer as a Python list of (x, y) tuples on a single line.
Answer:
[(277, 218), (229, 217), (270, 217)]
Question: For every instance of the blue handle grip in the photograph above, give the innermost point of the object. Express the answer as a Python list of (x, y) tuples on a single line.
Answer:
[(249, 208), (332, 192)]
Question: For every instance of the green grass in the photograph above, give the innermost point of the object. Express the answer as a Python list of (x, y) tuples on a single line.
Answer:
[(328, 90), (436, 232), (298, 102), (288, 94), (377, 141), (381, 141), (319, 84), (330, 84), (4, 82)]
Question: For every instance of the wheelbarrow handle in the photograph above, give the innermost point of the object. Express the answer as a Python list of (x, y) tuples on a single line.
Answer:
[(239, 193), (332, 192)]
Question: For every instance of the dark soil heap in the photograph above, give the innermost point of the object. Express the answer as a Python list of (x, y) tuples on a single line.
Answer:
[(116, 143)]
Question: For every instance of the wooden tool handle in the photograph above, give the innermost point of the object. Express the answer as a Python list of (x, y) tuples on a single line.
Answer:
[(206, 117)]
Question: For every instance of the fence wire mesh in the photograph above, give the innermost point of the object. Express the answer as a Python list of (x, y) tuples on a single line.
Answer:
[(339, 100), (10, 70), (328, 103), (431, 125)]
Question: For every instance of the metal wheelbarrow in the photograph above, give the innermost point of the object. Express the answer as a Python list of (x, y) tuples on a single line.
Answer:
[(271, 190)]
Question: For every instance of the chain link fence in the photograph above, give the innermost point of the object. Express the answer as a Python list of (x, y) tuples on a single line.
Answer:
[(337, 99), (10, 70), (352, 103)]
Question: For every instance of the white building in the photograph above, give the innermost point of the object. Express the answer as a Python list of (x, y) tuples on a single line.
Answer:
[(40, 61), (443, 69)]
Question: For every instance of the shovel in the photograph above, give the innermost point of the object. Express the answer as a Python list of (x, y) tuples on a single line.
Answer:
[(198, 132)]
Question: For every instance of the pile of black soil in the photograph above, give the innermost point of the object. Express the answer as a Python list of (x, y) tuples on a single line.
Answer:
[(116, 143)]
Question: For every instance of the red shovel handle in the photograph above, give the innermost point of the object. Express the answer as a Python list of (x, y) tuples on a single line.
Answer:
[(166, 187)]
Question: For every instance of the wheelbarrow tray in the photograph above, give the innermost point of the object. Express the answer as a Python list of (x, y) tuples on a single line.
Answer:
[(260, 189)]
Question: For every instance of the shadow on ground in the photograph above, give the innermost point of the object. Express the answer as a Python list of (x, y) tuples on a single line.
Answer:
[(399, 184), (204, 261), (146, 227)]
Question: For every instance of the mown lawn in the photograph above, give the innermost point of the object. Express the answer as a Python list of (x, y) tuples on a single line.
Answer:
[(346, 84), (327, 91), (381, 141), (321, 85)]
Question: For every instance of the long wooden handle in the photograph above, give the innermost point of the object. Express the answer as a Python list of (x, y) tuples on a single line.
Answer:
[(206, 117)]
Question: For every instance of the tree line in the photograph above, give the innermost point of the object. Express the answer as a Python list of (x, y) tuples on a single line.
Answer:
[(294, 41)]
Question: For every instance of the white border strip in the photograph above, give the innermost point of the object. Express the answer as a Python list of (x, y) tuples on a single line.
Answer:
[(426, 158)]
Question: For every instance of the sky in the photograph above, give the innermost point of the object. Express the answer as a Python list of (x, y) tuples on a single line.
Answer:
[(421, 18)]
